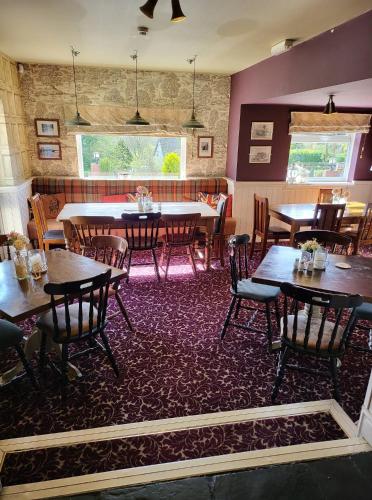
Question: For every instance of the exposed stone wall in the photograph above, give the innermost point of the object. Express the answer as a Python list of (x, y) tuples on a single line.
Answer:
[(107, 100), (14, 165)]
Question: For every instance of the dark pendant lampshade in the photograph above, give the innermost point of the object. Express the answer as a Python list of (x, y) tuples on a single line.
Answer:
[(78, 120), (137, 118), (330, 106), (148, 8), (177, 14), (193, 122)]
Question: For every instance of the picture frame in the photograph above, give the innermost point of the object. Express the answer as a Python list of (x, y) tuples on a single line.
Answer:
[(49, 151), (205, 146), (262, 131), (45, 127), (260, 154)]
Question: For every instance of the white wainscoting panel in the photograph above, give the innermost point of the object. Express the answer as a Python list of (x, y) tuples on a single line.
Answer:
[(13, 207)]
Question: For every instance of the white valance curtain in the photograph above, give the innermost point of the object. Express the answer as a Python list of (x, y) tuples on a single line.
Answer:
[(302, 121)]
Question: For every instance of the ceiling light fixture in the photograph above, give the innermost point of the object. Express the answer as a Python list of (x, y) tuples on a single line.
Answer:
[(137, 118), (193, 122), (177, 14), (330, 106), (78, 120)]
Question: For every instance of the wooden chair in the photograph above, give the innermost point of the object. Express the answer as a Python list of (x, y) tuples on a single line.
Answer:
[(86, 227), (318, 332), (111, 250), (218, 236), (363, 235), (261, 228), (11, 337), (180, 231), (45, 236), (364, 313), (141, 232), (4, 248), (325, 195), (328, 216), (335, 242), (242, 288), (78, 322)]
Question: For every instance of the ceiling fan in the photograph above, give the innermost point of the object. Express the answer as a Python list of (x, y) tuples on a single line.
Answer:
[(177, 14)]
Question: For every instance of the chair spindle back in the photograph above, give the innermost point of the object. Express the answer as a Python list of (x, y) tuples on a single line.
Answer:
[(110, 250), (86, 227), (141, 230), (238, 256), (334, 242), (180, 229), (328, 216)]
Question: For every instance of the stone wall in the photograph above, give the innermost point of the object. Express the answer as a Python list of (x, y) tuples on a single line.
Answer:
[(14, 165), (107, 100)]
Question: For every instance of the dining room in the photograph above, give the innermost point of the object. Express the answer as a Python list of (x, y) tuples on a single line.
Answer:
[(185, 248)]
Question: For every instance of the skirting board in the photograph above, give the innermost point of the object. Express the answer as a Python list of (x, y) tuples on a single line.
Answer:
[(187, 468)]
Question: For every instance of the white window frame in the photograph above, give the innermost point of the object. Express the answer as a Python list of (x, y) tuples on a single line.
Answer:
[(182, 175), (307, 137)]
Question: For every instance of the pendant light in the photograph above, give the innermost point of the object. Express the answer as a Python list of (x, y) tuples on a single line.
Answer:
[(330, 106), (148, 8), (193, 122), (137, 118), (78, 120), (177, 14)]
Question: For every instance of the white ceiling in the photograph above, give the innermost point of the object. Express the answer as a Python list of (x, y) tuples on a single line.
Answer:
[(228, 35)]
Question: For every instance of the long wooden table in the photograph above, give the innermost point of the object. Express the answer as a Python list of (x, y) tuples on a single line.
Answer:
[(298, 215), (20, 300), (208, 216), (277, 268)]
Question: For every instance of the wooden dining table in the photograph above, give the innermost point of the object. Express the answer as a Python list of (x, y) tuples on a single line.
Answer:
[(20, 300), (298, 215), (208, 216)]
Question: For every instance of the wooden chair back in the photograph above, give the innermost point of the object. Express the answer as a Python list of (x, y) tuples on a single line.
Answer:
[(238, 257), (80, 290), (328, 216), (325, 335), (85, 227), (335, 242), (4, 248), (325, 196), (39, 217), (221, 208), (141, 230), (365, 227), (261, 217), (180, 229), (110, 250)]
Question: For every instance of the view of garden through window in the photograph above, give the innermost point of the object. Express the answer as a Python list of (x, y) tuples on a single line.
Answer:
[(134, 155), (320, 157)]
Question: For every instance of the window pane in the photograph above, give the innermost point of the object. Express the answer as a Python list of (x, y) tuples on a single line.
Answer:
[(319, 157), (142, 156)]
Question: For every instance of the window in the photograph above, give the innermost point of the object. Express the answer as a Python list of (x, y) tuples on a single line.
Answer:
[(131, 155), (320, 157)]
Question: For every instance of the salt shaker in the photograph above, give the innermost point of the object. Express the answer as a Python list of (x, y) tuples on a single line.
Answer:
[(295, 264), (301, 265)]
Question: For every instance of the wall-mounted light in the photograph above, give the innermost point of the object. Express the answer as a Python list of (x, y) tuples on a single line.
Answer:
[(330, 106)]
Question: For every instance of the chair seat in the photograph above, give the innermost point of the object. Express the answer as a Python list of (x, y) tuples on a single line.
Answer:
[(10, 334), (279, 231), (256, 291), (364, 311), (314, 331), (54, 234), (45, 321)]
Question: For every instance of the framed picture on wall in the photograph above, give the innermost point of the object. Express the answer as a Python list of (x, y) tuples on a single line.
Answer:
[(262, 131), (46, 128), (49, 151), (260, 154), (205, 147)]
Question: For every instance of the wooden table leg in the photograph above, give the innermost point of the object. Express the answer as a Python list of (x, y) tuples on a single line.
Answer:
[(67, 231), (209, 225), (294, 228)]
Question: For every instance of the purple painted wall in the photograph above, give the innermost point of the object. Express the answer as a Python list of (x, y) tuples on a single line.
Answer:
[(328, 59), (277, 169)]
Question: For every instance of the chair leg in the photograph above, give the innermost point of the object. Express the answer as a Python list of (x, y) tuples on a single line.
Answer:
[(26, 366), (263, 248), (155, 264), (42, 352), (277, 314), (191, 258), (237, 310), (228, 317), (269, 328), (333, 368), (253, 244), (109, 353), (168, 261), (221, 244), (129, 263), (64, 371), (280, 373), (123, 311)]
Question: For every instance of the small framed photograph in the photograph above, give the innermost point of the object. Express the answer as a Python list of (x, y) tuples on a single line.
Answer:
[(262, 131), (46, 128), (49, 151), (260, 154), (205, 147)]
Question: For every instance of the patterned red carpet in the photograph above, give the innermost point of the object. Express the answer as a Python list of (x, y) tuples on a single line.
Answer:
[(173, 365)]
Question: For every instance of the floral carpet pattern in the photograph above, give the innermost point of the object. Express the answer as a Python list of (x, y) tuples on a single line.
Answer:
[(174, 364)]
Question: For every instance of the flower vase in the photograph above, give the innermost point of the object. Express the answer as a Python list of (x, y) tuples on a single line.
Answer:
[(20, 265), (140, 202)]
